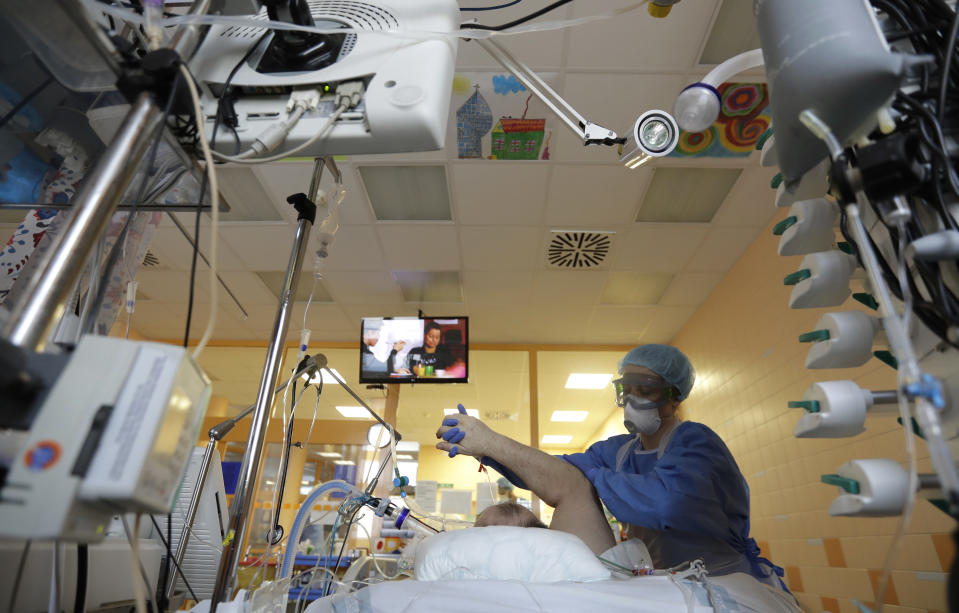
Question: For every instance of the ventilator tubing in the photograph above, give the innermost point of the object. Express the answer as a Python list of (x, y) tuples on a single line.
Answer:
[(296, 530)]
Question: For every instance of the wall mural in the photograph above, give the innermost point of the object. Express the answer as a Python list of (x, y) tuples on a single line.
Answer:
[(498, 119)]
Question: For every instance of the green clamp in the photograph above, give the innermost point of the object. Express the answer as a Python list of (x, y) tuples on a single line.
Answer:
[(784, 225), (811, 406), (866, 299), (777, 180), (887, 358), (762, 139), (915, 427), (850, 485), (814, 337), (796, 277), (846, 247)]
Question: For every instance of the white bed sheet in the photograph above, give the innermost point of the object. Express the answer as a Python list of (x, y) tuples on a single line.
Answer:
[(656, 594)]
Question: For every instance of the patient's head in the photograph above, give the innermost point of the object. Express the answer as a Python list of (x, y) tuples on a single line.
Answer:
[(508, 514)]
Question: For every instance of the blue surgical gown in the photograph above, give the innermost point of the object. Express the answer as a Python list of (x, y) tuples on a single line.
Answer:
[(686, 501)]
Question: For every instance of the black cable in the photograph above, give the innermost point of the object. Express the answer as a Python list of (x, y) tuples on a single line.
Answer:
[(169, 553), (199, 205), (491, 8), (944, 80), (24, 102), (349, 526), (516, 22), (19, 576), (83, 560)]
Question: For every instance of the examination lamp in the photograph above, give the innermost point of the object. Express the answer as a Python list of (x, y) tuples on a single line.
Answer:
[(378, 436), (654, 134)]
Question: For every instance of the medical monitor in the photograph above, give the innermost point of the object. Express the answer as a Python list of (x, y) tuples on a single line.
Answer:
[(414, 350)]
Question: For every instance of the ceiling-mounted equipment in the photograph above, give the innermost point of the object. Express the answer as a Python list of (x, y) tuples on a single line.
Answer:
[(408, 81), (578, 249)]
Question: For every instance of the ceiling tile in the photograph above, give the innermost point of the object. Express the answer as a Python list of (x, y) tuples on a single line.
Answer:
[(535, 49), (688, 195), (721, 248), (308, 289), (635, 288), (363, 287), (619, 324), (499, 192), (418, 246), (584, 197), (169, 285), (407, 193), (281, 179), (488, 288), (666, 323), (429, 286), (636, 39), (566, 287), (355, 248), (261, 246), (733, 32), (657, 247), (751, 202), (501, 247), (246, 195), (173, 250), (690, 288), (249, 289)]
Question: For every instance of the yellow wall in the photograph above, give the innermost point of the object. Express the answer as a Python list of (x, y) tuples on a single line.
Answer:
[(743, 342)]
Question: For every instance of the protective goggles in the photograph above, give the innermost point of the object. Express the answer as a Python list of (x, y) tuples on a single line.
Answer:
[(649, 387)]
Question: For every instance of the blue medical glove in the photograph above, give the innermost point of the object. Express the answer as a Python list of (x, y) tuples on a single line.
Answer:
[(454, 435), (461, 408), (450, 421), (454, 451)]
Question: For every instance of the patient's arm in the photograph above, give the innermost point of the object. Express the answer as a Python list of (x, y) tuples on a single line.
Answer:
[(556, 482)]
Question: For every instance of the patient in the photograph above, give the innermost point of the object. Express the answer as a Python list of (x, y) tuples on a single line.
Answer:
[(508, 514)]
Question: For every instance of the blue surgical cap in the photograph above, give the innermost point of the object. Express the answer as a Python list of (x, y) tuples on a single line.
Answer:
[(668, 362), (504, 483)]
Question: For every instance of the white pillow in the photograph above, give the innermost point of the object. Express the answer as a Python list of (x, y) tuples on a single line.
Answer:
[(535, 555)]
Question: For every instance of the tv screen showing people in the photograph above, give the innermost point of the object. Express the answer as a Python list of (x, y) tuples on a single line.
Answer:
[(408, 349)]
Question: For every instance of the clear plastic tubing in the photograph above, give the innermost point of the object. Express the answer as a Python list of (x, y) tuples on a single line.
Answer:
[(296, 530)]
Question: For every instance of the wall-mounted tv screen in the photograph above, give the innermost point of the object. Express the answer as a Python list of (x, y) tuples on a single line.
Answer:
[(414, 350)]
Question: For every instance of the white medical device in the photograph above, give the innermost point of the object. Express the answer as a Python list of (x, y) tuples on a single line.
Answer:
[(113, 435), (396, 49)]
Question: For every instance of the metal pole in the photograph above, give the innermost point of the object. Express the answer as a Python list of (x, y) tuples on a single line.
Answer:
[(47, 291), (187, 37), (249, 469), (198, 484)]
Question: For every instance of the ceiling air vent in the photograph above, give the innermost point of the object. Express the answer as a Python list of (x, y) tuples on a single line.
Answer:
[(585, 249), (150, 259)]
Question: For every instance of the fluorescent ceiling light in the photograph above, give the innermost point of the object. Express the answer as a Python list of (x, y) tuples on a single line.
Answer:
[(470, 412), (407, 193), (354, 412), (407, 446), (587, 381), (556, 439), (305, 482), (329, 454), (686, 195), (325, 377), (403, 456), (569, 416), (345, 463), (269, 482)]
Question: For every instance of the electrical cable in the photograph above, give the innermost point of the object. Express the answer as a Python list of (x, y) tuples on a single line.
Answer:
[(214, 212), (343, 545), (83, 560), (516, 22), (139, 593), (53, 605), (490, 8), (947, 62), (321, 133), (24, 102), (18, 577), (171, 556)]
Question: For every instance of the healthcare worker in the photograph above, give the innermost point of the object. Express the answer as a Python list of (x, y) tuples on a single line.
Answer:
[(674, 482)]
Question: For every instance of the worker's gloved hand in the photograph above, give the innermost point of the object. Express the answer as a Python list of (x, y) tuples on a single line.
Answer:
[(464, 434)]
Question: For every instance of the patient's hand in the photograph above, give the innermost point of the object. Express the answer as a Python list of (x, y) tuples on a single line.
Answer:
[(464, 434)]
